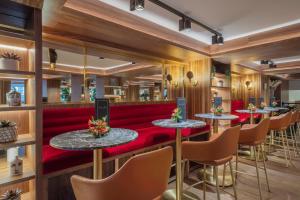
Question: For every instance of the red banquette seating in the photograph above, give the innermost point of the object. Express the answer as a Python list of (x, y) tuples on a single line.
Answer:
[(136, 117), (243, 117)]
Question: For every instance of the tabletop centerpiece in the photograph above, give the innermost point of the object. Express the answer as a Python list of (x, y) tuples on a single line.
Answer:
[(176, 115), (251, 107), (262, 105), (217, 110), (274, 104), (98, 127)]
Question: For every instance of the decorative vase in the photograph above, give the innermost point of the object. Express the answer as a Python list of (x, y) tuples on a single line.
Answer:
[(9, 64), (8, 134), (16, 167), (13, 98)]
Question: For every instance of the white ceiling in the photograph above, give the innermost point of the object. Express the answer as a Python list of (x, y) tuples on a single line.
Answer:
[(233, 18)]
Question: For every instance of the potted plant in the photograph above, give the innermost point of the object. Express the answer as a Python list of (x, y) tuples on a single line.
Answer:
[(8, 131), (9, 61), (262, 105), (217, 110), (176, 115), (251, 107), (99, 127), (274, 104), (11, 195)]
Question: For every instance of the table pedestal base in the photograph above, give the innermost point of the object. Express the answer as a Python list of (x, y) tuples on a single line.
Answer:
[(171, 195), (97, 168), (210, 178)]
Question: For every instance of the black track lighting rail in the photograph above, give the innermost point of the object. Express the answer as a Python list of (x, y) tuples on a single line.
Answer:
[(180, 14)]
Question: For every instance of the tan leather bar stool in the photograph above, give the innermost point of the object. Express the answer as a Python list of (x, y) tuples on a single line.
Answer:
[(144, 176), (219, 150), (292, 136), (280, 124), (254, 135)]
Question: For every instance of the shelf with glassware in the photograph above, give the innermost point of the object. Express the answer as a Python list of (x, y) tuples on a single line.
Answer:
[(20, 112)]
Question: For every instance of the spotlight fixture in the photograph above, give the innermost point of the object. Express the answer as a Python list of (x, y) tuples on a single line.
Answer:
[(264, 62), (185, 24), (52, 58), (217, 39), (138, 5)]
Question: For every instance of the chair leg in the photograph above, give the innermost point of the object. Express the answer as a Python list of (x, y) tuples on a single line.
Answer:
[(116, 164), (223, 182), (236, 164), (284, 148), (216, 171), (265, 169), (204, 183), (288, 145), (182, 171), (257, 173), (293, 140), (233, 180)]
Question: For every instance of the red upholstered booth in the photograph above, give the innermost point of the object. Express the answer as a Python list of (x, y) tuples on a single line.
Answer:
[(136, 117), (243, 117)]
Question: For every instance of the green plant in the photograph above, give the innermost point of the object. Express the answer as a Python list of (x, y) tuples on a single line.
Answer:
[(6, 123), (11, 56), (176, 115), (92, 94), (65, 94)]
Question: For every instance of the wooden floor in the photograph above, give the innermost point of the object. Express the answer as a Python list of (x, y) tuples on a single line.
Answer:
[(284, 182)]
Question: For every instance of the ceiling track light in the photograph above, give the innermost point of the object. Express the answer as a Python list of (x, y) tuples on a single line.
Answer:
[(185, 24), (138, 5), (217, 39)]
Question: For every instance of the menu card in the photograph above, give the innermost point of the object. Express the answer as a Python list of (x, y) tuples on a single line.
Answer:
[(102, 109), (181, 103)]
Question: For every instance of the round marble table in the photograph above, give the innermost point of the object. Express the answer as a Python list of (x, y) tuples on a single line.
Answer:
[(169, 123), (210, 172), (216, 118), (257, 111), (83, 140)]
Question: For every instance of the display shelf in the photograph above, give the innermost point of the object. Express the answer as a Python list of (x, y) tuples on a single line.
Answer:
[(23, 140), (6, 179), (5, 107), (13, 74)]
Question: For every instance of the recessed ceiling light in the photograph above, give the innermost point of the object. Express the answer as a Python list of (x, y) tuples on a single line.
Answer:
[(138, 5)]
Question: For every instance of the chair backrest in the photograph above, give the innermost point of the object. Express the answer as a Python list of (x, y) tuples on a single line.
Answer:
[(258, 133), (280, 122), (294, 117), (219, 148), (143, 176)]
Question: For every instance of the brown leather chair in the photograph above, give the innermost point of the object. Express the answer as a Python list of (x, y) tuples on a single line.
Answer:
[(219, 150), (143, 176), (280, 124), (254, 135)]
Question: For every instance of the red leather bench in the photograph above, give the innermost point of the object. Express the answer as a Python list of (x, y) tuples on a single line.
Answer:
[(136, 117), (243, 117)]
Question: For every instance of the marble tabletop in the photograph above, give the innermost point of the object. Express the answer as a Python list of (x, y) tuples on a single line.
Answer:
[(169, 123), (83, 140), (257, 111), (218, 117)]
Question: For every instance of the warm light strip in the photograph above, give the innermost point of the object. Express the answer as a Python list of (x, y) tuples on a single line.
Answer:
[(90, 67), (13, 47)]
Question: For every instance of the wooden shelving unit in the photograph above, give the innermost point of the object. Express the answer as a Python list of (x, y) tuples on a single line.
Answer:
[(24, 38)]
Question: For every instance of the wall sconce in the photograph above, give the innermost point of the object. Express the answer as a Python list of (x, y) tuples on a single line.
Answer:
[(190, 76), (170, 78), (248, 85), (52, 58)]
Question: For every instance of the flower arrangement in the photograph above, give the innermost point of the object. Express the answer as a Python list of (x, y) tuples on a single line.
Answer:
[(98, 127), (262, 105), (274, 103), (251, 107), (217, 110), (176, 115)]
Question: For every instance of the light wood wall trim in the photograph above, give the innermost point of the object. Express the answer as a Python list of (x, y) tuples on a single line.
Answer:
[(32, 3)]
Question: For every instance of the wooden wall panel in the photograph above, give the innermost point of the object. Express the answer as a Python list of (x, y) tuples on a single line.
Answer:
[(21, 118), (175, 87), (198, 97), (53, 92), (133, 93)]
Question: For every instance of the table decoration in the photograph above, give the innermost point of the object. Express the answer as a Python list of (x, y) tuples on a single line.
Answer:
[(251, 107), (8, 131), (274, 104), (99, 127), (176, 115), (217, 110), (263, 105)]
